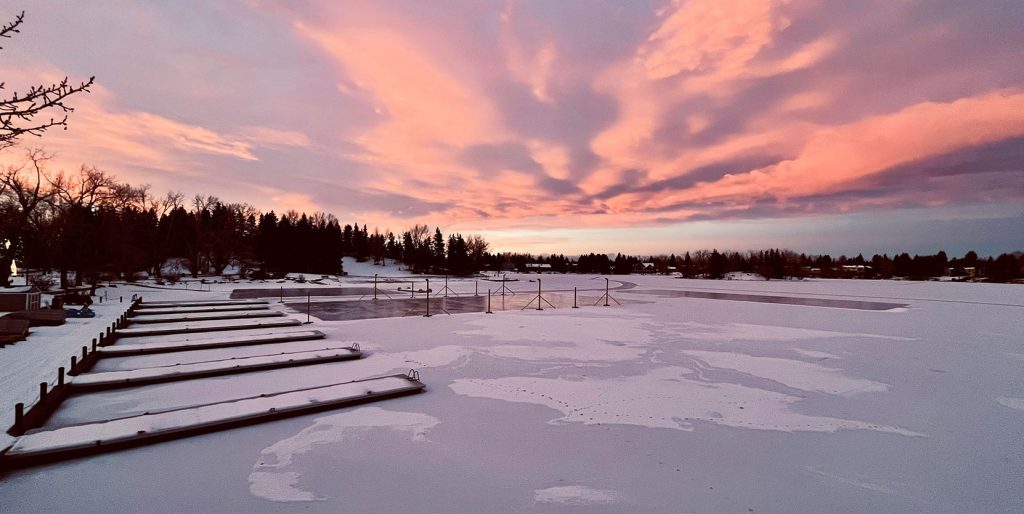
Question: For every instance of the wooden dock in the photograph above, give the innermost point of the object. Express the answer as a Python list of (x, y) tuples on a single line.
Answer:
[(205, 326), (67, 442), (175, 372), (202, 316), (185, 344)]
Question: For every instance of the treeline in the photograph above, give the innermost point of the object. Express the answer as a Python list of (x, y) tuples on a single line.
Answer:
[(779, 264), (88, 225)]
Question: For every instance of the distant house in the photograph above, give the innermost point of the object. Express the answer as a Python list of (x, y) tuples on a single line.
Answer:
[(855, 270), (538, 267), (645, 267), (20, 299)]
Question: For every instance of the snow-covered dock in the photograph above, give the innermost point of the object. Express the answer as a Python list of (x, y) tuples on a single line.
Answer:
[(204, 316), (205, 326), (76, 440), (215, 308), (114, 379), (201, 303), (175, 345)]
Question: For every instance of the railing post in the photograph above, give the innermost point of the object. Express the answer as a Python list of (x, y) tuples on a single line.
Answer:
[(488, 302), (606, 293), (427, 315)]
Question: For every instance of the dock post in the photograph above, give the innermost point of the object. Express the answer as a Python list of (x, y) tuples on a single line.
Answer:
[(60, 376), (94, 345), (19, 416), (375, 287), (412, 288), (307, 308), (85, 352), (446, 285), (488, 302), (574, 306), (74, 363), (606, 293), (476, 288), (42, 392), (282, 295), (427, 315)]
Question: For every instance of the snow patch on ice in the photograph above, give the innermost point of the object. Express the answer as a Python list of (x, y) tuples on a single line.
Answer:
[(270, 478), (624, 326), (1013, 403), (801, 375), (662, 398), (574, 495), (816, 354), (750, 332)]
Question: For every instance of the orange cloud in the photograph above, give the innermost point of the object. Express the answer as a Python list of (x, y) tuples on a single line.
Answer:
[(834, 156)]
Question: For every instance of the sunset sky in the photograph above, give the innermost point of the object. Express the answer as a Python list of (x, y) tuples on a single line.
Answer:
[(558, 125)]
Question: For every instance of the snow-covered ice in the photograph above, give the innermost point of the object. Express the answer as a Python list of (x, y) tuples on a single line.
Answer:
[(663, 404)]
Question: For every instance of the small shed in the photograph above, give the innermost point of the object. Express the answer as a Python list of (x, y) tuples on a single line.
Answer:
[(25, 298)]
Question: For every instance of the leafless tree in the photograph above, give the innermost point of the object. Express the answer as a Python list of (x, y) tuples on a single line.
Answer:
[(22, 114)]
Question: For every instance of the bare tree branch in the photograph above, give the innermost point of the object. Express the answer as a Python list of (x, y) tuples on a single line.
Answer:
[(22, 114)]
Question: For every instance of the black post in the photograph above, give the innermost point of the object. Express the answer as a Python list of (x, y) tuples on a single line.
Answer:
[(60, 376), (488, 302), (85, 351), (375, 287), (94, 345), (42, 392), (606, 293), (476, 288), (574, 306), (412, 288), (538, 296), (307, 308), (446, 285), (282, 294), (19, 415), (427, 315), (74, 363)]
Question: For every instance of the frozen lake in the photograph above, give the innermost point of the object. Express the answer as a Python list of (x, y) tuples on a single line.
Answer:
[(907, 397)]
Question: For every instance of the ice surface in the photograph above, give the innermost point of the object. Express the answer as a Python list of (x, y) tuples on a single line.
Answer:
[(843, 410), (271, 480), (793, 373)]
